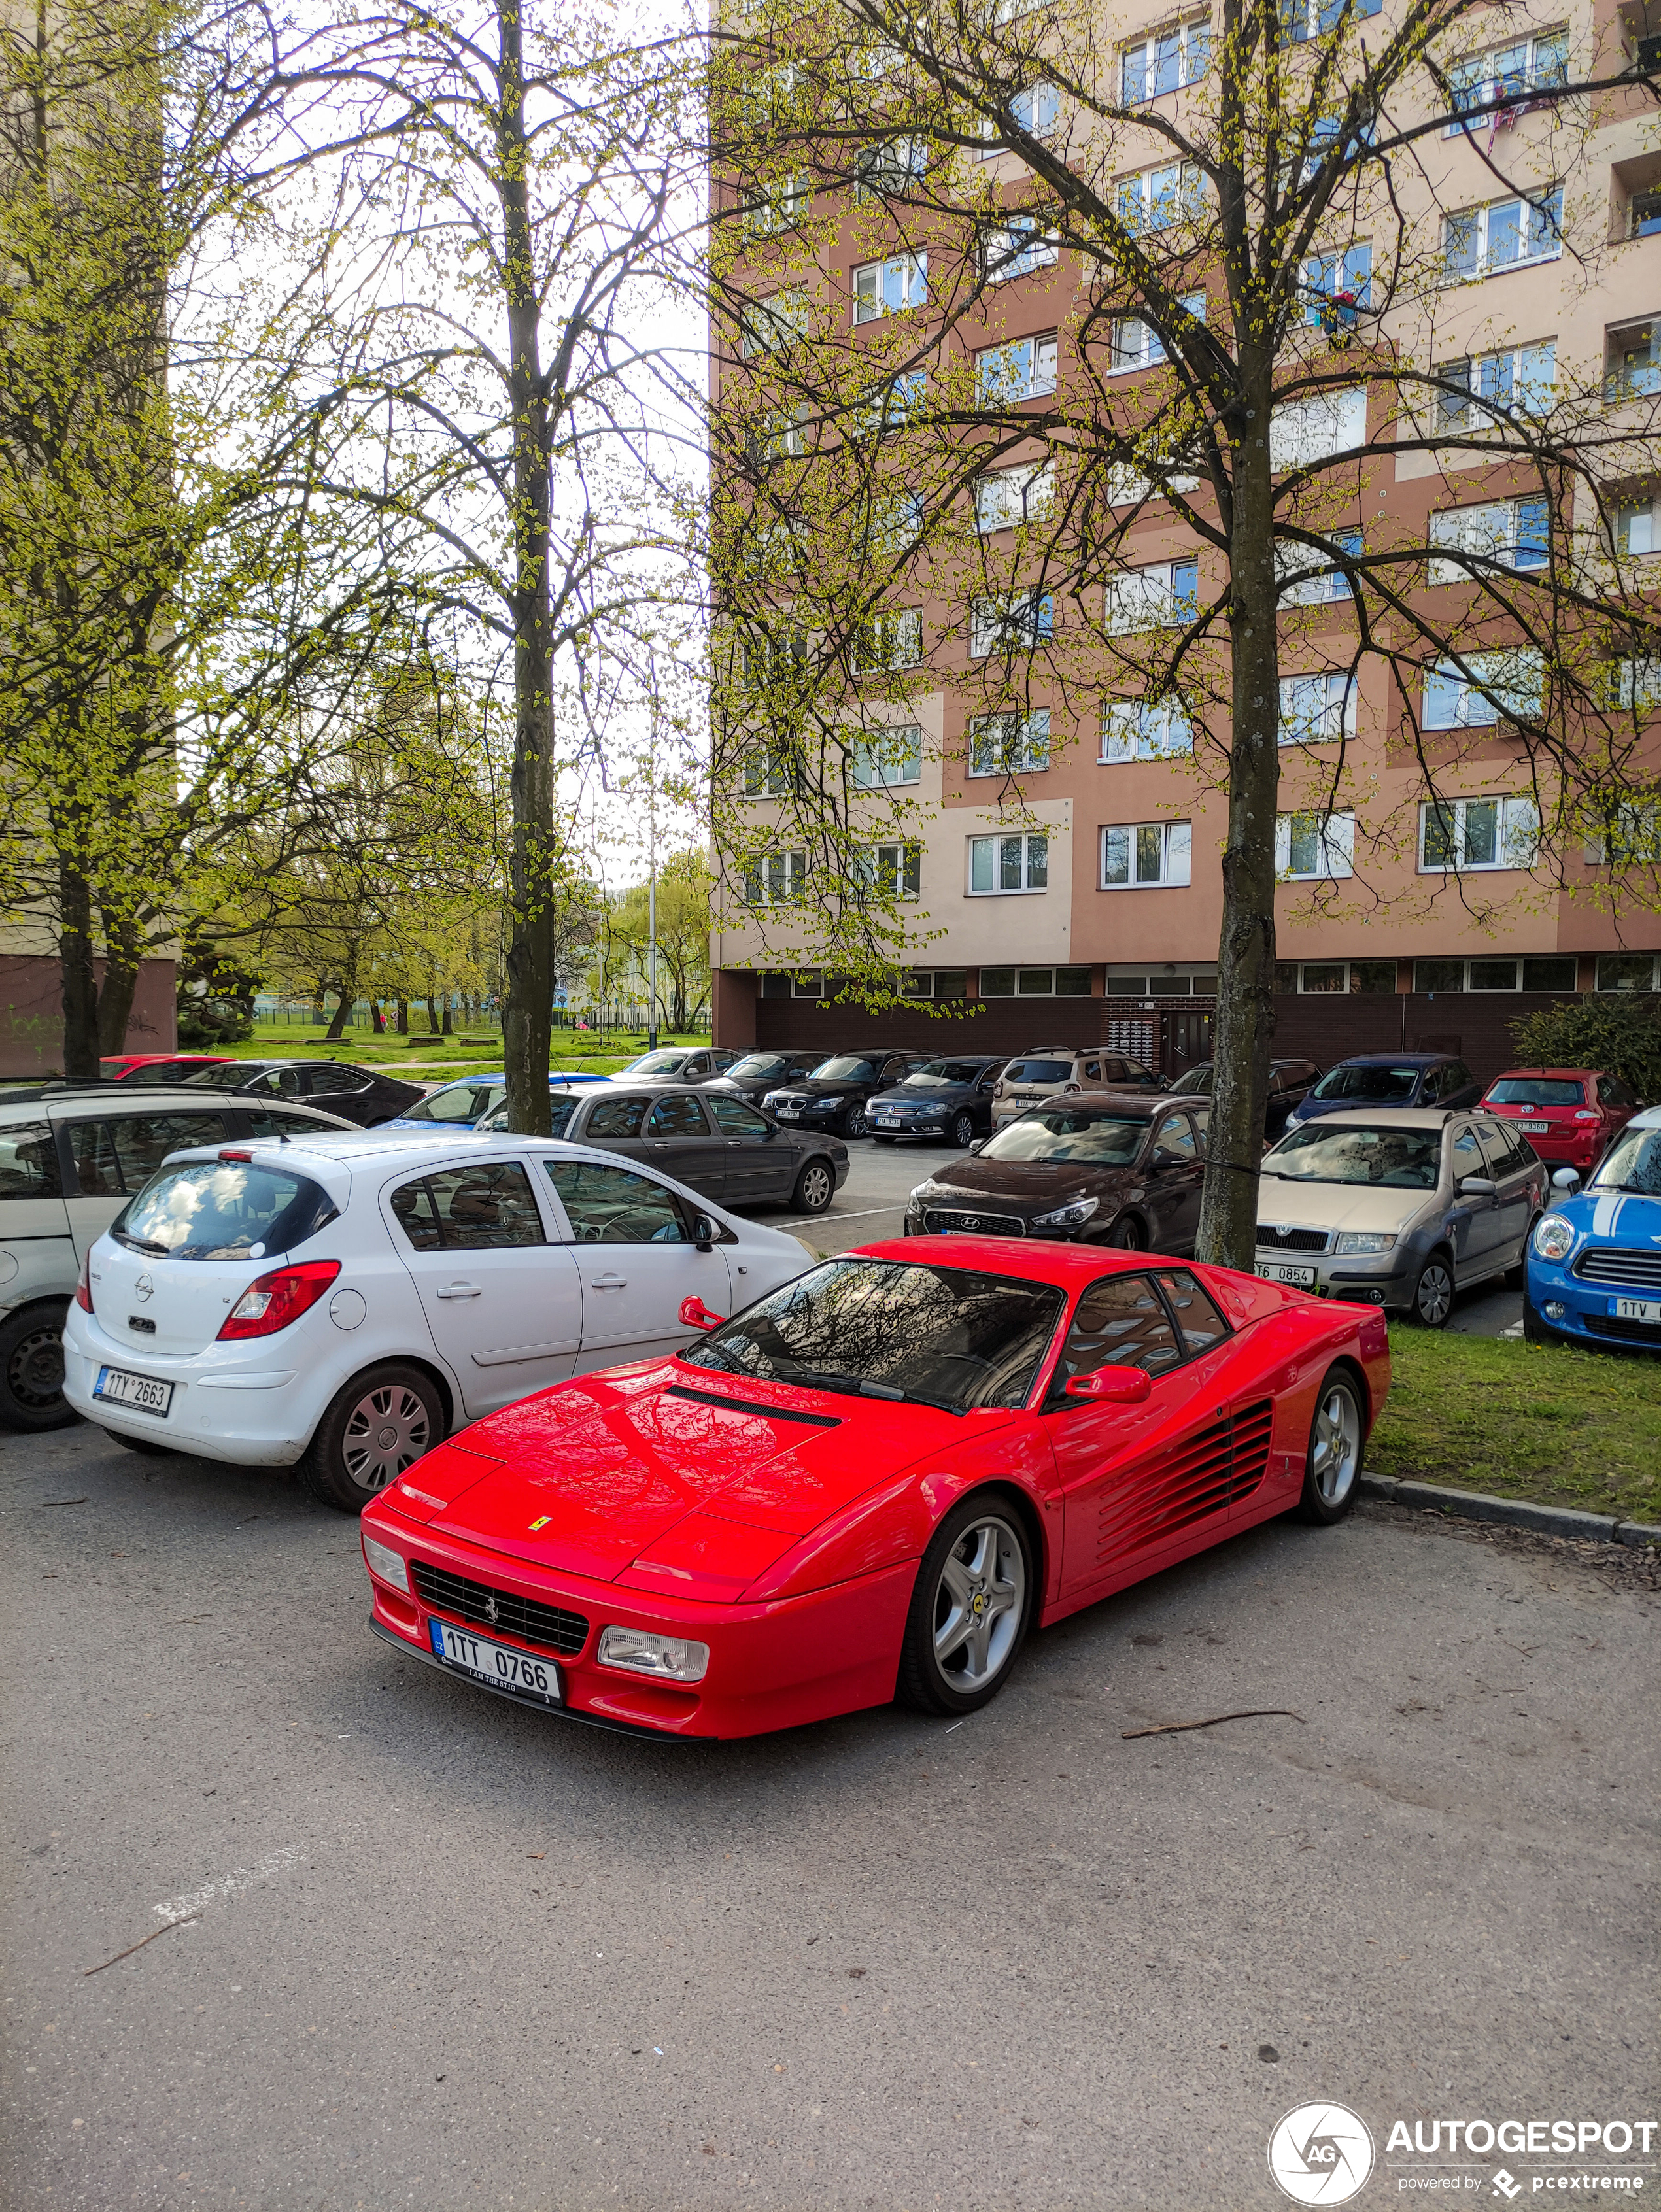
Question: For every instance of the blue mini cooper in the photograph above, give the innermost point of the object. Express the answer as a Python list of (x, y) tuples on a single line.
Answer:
[(1594, 1260)]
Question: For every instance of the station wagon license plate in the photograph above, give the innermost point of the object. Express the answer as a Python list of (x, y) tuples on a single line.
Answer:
[(495, 1663), (1535, 1128), (141, 1392), (1276, 1271), (1646, 1310)]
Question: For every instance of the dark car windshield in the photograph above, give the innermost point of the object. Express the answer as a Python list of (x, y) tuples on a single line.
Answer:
[(229, 1075), (1377, 1085), (1038, 1071), (1391, 1159), (890, 1328), (845, 1067), (942, 1075), (223, 1210), (1535, 1091), (758, 1067), (1631, 1163), (456, 1101), (658, 1063), (1110, 1139)]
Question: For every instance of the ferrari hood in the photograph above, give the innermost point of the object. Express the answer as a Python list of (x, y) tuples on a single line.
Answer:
[(667, 1477)]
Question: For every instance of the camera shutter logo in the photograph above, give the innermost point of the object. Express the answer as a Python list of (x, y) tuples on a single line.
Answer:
[(1320, 2154)]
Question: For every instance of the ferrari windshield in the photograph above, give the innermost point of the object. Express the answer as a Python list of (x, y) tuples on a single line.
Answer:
[(1632, 1162), (889, 1328), (1390, 1159), (1377, 1085), (1108, 1140)]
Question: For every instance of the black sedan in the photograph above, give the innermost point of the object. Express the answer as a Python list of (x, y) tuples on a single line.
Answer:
[(943, 1099), (1125, 1170), (362, 1095), (1289, 1080), (838, 1091), (759, 1072), (706, 1138)]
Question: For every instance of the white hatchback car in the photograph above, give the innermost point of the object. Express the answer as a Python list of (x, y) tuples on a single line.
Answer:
[(343, 1302)]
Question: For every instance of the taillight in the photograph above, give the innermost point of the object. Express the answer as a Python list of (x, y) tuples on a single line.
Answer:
[(277, 1299), (83, 1288)]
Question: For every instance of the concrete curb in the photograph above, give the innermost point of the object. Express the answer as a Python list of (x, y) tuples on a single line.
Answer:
[(1512, 1512)]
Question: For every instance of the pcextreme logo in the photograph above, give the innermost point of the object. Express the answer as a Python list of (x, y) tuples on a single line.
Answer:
[(1320, 2154)]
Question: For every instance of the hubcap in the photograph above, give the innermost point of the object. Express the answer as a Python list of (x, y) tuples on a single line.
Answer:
[(978, 1604), (387, 1430), (35, 1373), (964, 1134), (1435, 1294), (857, 1123), (1336, 1446), (815, 1187)]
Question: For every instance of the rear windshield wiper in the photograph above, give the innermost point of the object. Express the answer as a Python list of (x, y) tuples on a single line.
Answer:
[(148, 1245)]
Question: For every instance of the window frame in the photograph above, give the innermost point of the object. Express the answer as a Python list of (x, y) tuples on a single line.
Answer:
[(1193, 59), (1004, 745), (1548, 204), (1176, 857), (996, 842), (1337, 853), (998, 625), (1142, 717), (911, 271), (1345, 698), (1510, 807), (1033, 386), (759, 877)]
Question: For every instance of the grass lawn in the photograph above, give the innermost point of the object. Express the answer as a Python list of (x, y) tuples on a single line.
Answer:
[(1558, 1427)]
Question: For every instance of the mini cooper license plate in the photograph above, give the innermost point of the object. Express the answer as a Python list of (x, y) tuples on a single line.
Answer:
[(1535, 1128), (1647, 1310), (1274, 1270), (495, 1663), (141, 1392)]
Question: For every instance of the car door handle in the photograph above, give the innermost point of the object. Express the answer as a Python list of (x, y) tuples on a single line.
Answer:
[(458, 1290), (608, 1282)]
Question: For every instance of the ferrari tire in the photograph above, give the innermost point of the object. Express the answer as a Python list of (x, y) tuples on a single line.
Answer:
[(151, 1447), (1127, 1236), (1432, 1298), (854, 1122), (962, 1131), (31, 1372), (377, 1427), (1332, 1466), (970, 1608), (815, 1186)]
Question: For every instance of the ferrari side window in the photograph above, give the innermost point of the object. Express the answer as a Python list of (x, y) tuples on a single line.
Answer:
[(1121, 1322), (1198, 1316)]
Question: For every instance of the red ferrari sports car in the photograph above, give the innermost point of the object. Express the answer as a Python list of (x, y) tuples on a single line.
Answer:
[(871, 1484)]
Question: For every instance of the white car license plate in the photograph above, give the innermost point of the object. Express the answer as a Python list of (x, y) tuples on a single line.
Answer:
[(141, 1392), (495, 1662), (888, 1121), (1276, 1271), (1647, 1310), (1535, 1128), (788, 1113)]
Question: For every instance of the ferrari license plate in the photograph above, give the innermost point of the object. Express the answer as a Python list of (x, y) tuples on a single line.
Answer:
[(495, 1663), (1647, 1310), (1535, 1128), (1278, 1271), (141, 1392)]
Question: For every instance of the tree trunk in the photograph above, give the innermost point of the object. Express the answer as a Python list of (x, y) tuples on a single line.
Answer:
[(79, 980), (404, 1017), (122, 950), (338, 1019), (377, 1020), (1246, 951)]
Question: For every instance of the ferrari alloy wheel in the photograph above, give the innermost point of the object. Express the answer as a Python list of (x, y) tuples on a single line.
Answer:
[(1432, 1294), (969, 1609), (31, 1372), (815, 1186), (1334, 1462), (962, 1131), (379, 1424), (852, 1121)]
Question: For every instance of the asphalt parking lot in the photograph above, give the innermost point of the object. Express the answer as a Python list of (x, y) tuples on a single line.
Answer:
[(421, 1948)]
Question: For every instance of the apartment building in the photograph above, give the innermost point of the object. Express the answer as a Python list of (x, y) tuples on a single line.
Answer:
[(1063, 860)]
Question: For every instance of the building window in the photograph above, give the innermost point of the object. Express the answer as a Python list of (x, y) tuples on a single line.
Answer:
[(1523, 378), (772, 325), (892, 406), (1313, 19), (1311, 579), (935, 983), (1458, 835), (1631, 355), (1135, 344), (1016, 248), (893, 872), (1507, 74), (1627, 971), (1330, 278), (1633, 528), (1145, 855), (767, 775), (782, 984), (1023, 369), (1316, 710), (1155, 198), (1035, 983), (1306, 430), (1009, 745), (1635, 685), (1159, 597), (1001, 864), (1321, 979), (1008, 498), (1178, 55), (889, 168), (776, 879), (779, 204), (888, 641), (1166, 981), (1628, 836), (1485, 241), (888, 288), (1010, 625), (1314, 847), (1516, 533), (884, 759), (1034, 111), (1133, 730), (1490, 688), (1553, 972), (896, 523)]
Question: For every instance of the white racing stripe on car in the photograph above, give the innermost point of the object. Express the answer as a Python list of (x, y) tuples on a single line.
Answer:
[(1607, 1212), (182, 1908)]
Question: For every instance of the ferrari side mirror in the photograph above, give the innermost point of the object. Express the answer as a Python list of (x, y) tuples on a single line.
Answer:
[(695, 1314), (1110, 1386)]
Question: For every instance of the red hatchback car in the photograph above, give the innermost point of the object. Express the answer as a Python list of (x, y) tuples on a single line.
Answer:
[(870, 1485), (1570, 1116), (158, 1067)]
